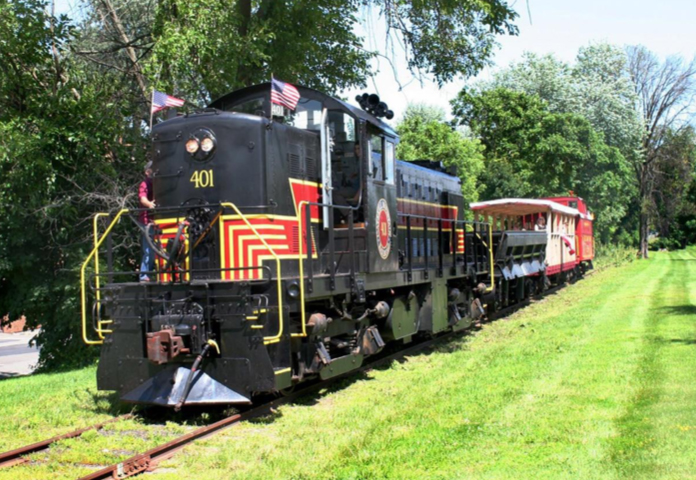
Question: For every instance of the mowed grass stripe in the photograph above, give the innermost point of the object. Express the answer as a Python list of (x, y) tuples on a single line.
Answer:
[(658, 432), (567, 412)]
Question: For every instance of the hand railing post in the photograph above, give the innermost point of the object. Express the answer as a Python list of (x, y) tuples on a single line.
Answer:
[(477, 249), (454, 246), (332, 251), (308, 237), (351, 248), (110, 257), (409, 247), (427, 247), (439, 247)]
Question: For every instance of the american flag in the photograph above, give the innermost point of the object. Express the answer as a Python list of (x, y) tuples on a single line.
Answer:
[(160, 101), (284, 94)]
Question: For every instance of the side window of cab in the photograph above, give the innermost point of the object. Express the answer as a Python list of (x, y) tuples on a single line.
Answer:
[(389, 162), (376, 158)]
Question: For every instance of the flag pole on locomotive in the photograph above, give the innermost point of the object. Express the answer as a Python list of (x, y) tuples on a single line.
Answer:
[(146, 197), (283, 94), (161, 100)]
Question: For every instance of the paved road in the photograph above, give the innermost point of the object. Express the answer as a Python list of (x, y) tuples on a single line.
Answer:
[(16, 356)]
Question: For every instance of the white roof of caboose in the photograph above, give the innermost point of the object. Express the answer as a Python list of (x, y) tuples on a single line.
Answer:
[(524, 206)]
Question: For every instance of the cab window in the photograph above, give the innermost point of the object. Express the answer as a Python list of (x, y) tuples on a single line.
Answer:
[(252, 106), (376, 154), (389, 162), (307, 115)]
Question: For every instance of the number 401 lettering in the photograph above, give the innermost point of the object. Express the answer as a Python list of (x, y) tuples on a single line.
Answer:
[(202, 178)]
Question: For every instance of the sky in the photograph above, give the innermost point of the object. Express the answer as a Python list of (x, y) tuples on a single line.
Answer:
[(561, 27)]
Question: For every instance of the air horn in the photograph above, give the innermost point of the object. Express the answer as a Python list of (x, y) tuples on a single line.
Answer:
[(372, 104)]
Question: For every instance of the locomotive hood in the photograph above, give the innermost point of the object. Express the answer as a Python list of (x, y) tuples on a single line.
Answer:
[(231, 171)]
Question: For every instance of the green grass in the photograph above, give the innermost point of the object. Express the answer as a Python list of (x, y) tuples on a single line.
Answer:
[(596, 381), (593, 382)]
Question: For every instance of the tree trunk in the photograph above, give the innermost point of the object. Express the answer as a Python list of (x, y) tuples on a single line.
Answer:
[(644, 232), (127, 44)]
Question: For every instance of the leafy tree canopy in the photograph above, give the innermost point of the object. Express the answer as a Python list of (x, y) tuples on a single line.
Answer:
[(424, 135), (313, 42), (534, 152)]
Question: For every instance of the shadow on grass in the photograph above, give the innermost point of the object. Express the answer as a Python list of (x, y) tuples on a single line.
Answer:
[(678, 310), (201, 415), (684, 341), (205, 415), (103, 402)]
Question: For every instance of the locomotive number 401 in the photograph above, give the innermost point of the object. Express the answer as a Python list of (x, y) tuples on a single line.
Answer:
[(202, 178)]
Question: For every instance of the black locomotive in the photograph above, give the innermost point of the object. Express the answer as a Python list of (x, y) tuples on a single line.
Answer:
[(290, 245)]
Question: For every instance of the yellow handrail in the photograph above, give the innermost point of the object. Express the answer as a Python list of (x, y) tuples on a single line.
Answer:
[(96, 265), (83, 294), (490, 254), (301, 263), (274, 338)]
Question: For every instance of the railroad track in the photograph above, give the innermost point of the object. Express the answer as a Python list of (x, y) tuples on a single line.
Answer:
[(19, 455), (149, 460)]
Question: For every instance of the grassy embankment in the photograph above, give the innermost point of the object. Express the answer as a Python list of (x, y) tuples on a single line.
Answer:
[(595, 381)]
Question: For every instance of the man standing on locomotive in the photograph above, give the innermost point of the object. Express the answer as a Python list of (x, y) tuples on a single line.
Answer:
[(147, 201)]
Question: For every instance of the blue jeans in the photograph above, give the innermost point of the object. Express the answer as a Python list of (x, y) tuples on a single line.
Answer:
[(148, 262)]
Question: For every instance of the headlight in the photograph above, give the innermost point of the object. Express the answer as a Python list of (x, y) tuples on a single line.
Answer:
[(192, 145), (207, 144)]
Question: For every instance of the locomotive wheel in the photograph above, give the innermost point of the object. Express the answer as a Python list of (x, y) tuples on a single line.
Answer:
[(284, 392)]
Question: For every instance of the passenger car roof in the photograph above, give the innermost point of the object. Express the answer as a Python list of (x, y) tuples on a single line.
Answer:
[(524, 206)]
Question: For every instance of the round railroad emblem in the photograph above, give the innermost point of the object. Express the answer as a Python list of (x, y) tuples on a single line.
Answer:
[(383, 223)]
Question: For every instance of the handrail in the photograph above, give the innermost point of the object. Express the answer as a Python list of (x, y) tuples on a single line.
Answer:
[(305, 203), (301, 270), (96, 268), (274, 338), (456, 221), (83, 295), (490, 256)]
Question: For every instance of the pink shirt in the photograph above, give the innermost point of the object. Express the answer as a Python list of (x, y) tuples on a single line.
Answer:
[(145, 190)]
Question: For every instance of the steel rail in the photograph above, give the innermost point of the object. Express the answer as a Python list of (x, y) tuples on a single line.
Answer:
[(18, 455)]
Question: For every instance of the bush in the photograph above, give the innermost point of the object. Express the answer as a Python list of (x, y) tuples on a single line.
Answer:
[(613, 255), (667, 243)]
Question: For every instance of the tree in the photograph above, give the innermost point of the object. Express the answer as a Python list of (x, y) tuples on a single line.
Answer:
[(598, 88), (542, 76), (447, 38), (665, 93), (533, 152), (313, 42), (424, 135), (674, 170), (62, 146)]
